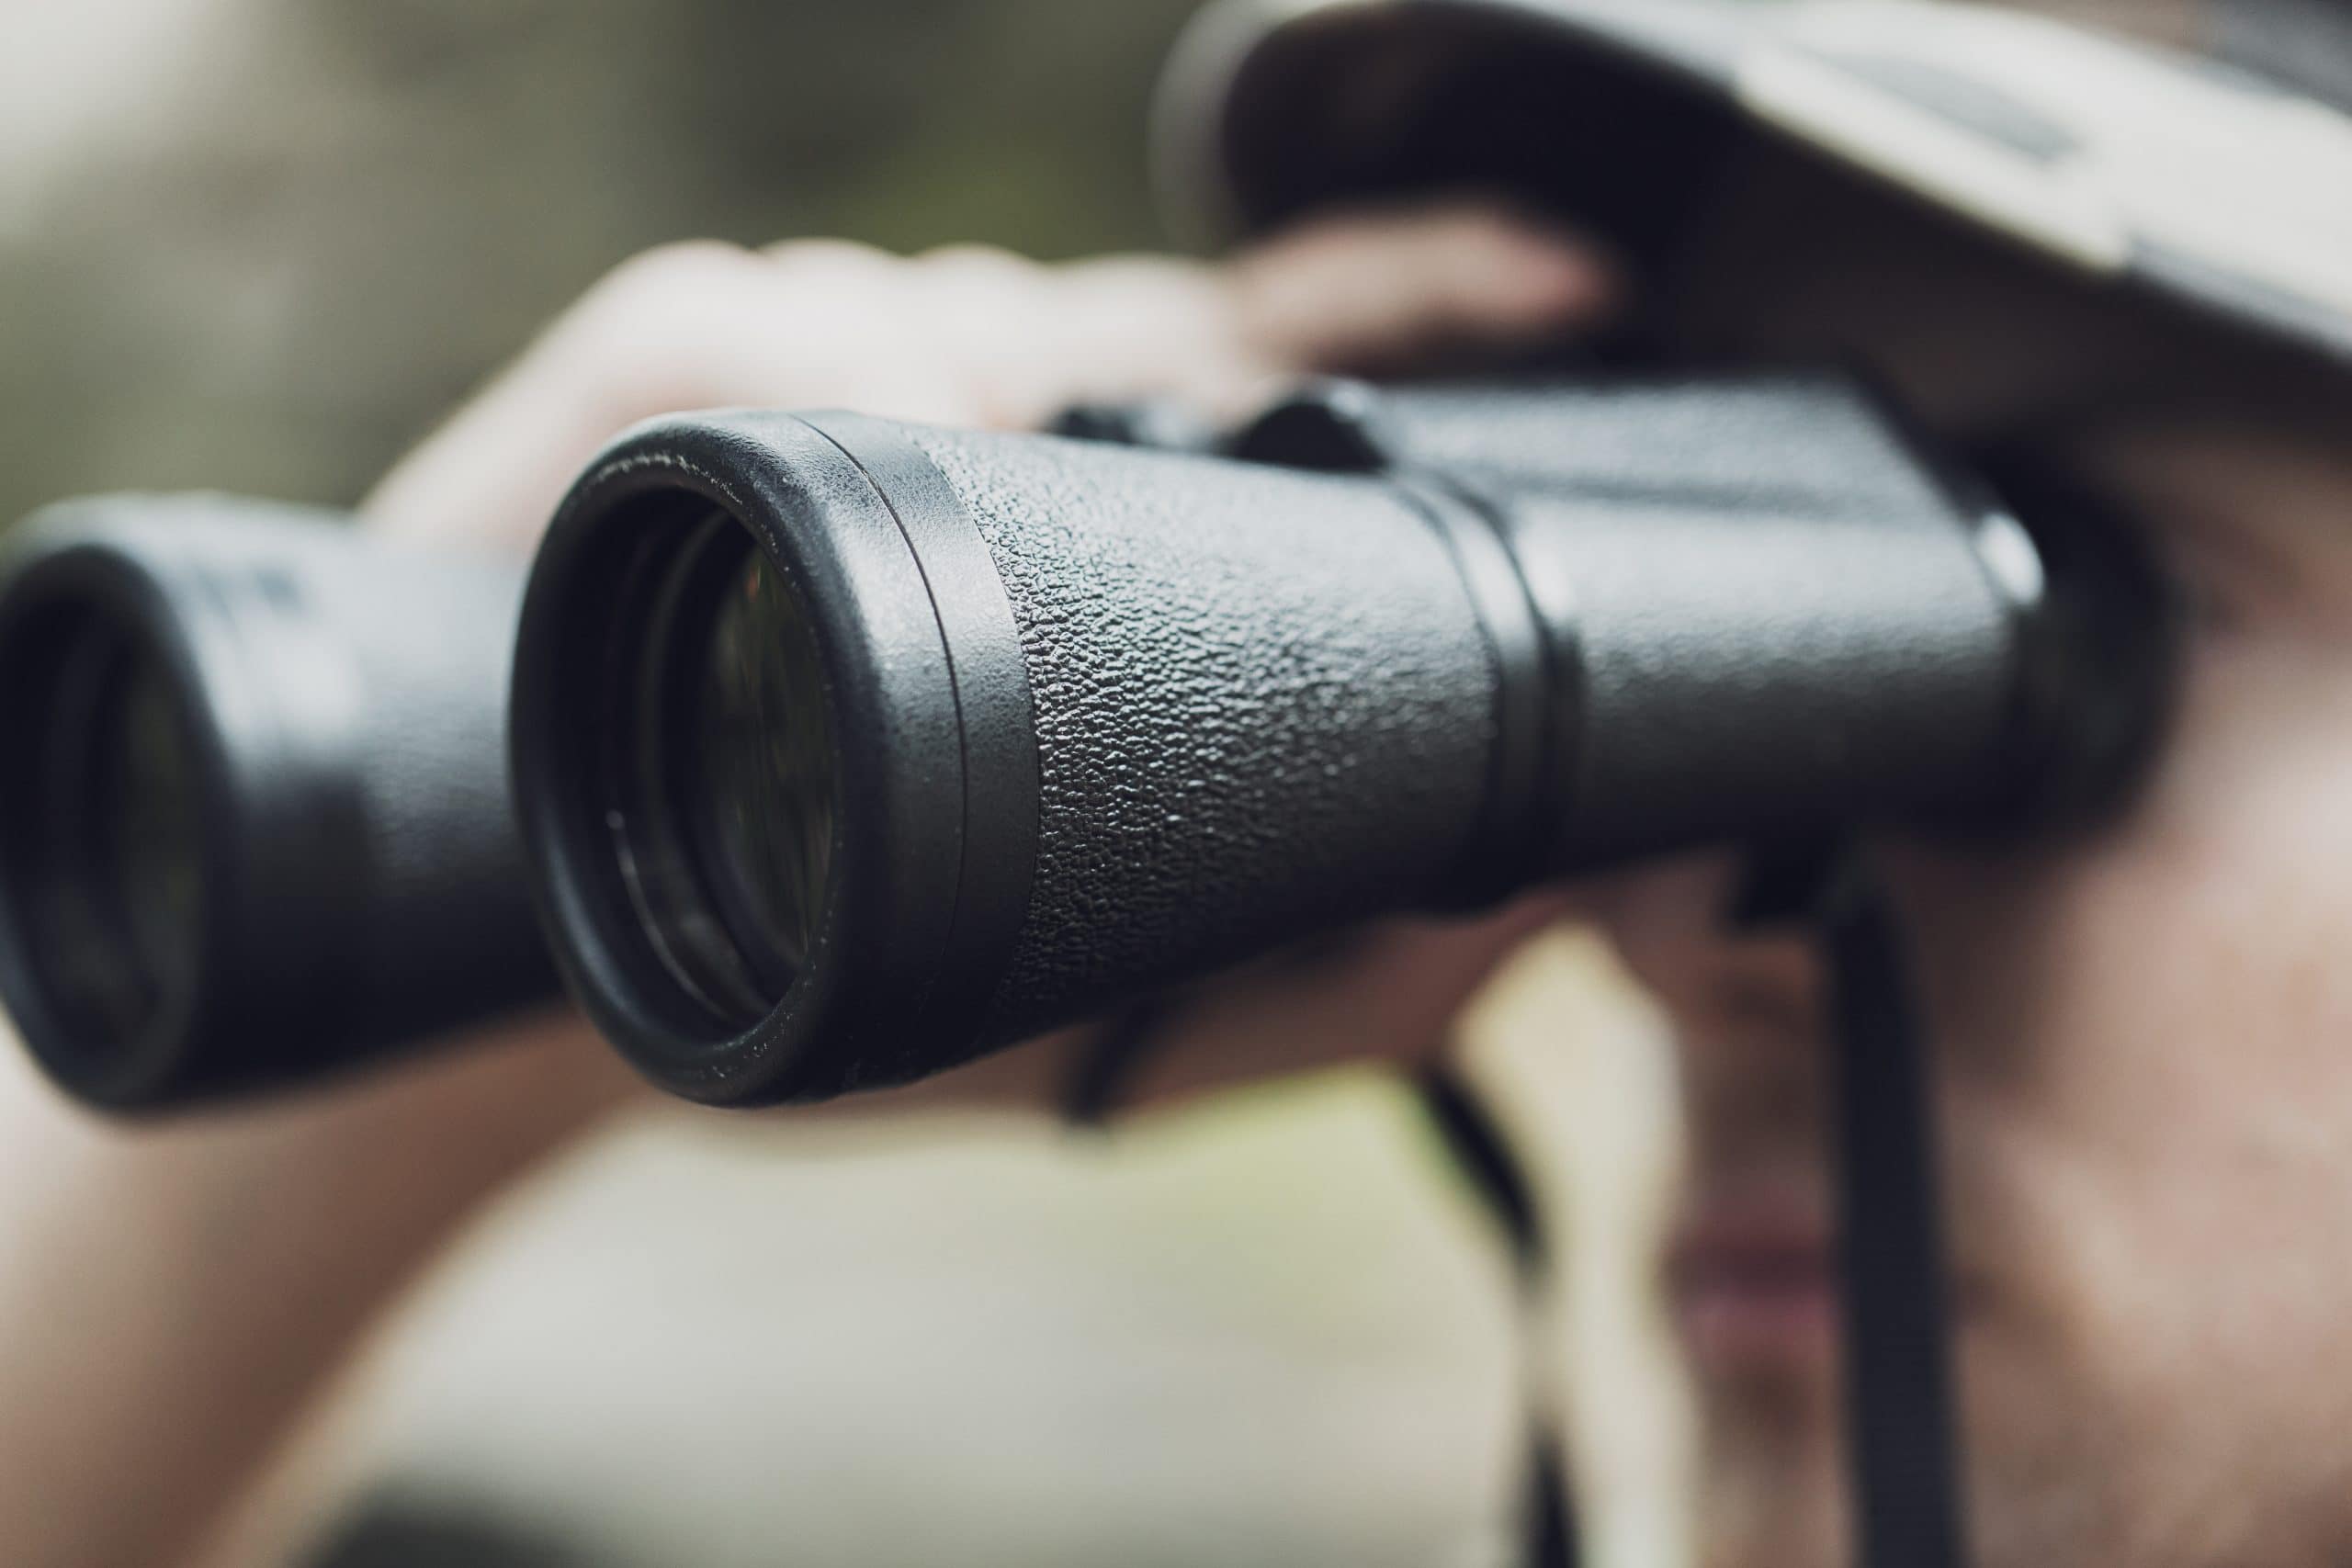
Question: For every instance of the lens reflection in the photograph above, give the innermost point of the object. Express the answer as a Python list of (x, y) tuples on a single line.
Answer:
[(764, 775), (106, 856), (147, 824), (720, 791)]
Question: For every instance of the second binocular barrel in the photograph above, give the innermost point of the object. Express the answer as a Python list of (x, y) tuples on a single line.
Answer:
[(845, 750), (253, 817)]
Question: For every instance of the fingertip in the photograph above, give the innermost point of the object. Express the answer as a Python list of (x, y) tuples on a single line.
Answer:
[(1515, 264), (1377, 284), (1555, 275)]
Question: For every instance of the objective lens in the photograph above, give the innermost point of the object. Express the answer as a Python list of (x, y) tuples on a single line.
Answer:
[(724, 788), (103, 841), (147, 822), (765, 767)]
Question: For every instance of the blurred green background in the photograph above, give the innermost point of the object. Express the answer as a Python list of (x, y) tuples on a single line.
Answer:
[(260, 245)]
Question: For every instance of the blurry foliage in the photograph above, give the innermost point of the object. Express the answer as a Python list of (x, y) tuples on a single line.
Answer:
[(329, 219)]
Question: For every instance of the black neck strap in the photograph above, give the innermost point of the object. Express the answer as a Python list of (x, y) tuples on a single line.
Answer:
[(1901, 1431), (1482, 1152)]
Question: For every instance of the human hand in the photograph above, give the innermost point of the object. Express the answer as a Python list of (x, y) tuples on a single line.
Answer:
[(975, 337)]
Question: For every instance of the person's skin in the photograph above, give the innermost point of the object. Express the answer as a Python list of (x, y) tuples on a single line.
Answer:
[(2143, 1090), (171, 1295)]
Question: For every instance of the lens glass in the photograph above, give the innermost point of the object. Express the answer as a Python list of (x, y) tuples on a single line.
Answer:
[(762, 770), (105, 858), (146, 822), (721, 789)]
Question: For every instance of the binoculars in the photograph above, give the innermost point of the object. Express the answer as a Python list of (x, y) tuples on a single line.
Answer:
[(816, 752)]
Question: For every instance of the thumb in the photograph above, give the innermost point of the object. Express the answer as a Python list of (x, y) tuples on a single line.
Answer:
[(1381, 286)]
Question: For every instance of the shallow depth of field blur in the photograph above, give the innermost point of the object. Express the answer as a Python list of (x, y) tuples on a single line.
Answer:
[(260, 246)]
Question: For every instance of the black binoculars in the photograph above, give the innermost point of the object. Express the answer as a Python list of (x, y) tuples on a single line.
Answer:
[(832, 751)]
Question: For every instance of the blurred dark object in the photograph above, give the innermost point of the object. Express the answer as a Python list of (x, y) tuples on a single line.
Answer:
[(2078, 169), (254, 823), (396, 1532)]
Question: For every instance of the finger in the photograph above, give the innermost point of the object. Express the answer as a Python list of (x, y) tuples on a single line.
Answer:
[(687, 326), (1028, 341), (1341, 293), (1385, 286)]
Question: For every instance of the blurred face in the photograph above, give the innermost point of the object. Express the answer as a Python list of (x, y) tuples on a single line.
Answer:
[(2144, 1088)]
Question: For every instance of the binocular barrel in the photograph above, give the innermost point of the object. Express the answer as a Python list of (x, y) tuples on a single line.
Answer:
[(845, 750), (253, 816)]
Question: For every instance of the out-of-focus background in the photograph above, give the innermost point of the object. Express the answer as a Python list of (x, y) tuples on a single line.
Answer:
[(1275, 1331), (261, 245)]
